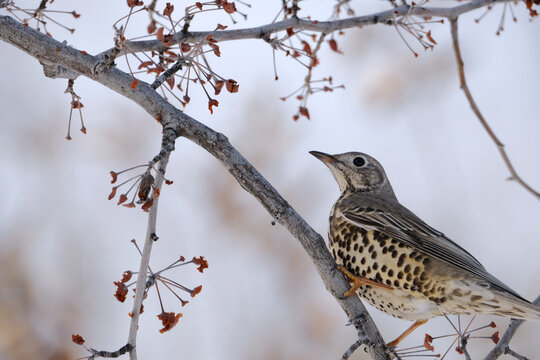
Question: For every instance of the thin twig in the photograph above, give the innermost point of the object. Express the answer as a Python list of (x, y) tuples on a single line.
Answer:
[(145, 259), (514, 354), (463, 84)]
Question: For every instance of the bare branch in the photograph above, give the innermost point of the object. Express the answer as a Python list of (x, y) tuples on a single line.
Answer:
[(384, 17), (353, 347), (169, 73), (463, 84), (503, 346), (145, 260), (46, 49)]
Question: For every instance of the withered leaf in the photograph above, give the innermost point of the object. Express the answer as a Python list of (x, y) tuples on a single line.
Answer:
[(303, 111), (229, 7), (495, 337), (145, 64), (232, 86), (77, 339), (430, 38), (219, 86), (306, 47), (122, 199), (159, 34), (203, 264), (147, 205), (157, 70), (334, 46), (129, 205), (121, 291), (126, 276), (168, 9), (113, 193), (212, 102), (168, 320), (133, 3), (196, 291), (170, 81), (216, 49)]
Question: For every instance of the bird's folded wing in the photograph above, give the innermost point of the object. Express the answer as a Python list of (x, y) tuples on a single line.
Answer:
[(412, 231)]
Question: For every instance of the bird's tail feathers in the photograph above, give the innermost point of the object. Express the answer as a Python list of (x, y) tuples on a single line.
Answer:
[(517, 308)]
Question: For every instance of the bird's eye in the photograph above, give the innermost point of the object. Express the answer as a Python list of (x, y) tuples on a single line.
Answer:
[(359, 161)]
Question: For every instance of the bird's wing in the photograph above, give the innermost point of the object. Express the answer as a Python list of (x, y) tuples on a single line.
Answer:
[(412, 231)]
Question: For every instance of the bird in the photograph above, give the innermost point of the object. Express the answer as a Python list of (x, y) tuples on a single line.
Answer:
[(398, 263)]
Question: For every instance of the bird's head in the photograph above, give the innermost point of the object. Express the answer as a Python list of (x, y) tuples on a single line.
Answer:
[(356, 172)]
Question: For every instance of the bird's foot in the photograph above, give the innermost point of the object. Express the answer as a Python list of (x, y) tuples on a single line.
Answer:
[(358, 281)]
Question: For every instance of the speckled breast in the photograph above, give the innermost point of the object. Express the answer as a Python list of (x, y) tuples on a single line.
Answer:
[(372, 255)]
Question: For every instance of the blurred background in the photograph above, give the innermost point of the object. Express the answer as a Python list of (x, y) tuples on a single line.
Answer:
[(62, 244)]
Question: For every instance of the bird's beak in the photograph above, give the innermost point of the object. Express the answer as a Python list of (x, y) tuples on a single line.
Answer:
[(325, 158)]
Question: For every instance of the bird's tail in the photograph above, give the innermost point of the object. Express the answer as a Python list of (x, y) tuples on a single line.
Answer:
[(517, 308), (475, 297)]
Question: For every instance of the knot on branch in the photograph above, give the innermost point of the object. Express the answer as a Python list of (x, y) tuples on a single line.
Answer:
[(220, 138), (111, 354)]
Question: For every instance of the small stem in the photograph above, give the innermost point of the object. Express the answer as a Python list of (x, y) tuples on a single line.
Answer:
[(463, 84)]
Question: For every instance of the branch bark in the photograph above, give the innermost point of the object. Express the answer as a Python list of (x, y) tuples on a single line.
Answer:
[(49, 51)]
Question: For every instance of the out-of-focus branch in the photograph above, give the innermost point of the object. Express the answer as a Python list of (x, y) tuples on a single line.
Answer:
[(47, 50), (145, 260), (503, 347), (463, 84), (384, 17)]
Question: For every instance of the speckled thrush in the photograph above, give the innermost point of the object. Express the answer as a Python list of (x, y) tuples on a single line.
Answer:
[(400, 264)]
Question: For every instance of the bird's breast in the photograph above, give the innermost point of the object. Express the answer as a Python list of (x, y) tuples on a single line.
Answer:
[(373, 255)]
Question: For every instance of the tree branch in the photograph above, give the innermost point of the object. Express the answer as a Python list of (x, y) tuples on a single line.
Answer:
[(463, 84), (145, 260), (385, 17), (49, 51), (504, 344)]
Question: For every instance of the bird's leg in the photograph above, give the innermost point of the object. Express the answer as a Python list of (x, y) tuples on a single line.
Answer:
[(406, 333), (359, 281)]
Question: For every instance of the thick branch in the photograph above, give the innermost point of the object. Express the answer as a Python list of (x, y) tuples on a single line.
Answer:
[(385, 17), (503, 346), (463, 84), (48, 50)]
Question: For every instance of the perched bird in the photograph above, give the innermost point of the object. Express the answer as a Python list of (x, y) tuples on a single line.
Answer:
[(400, 264)]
